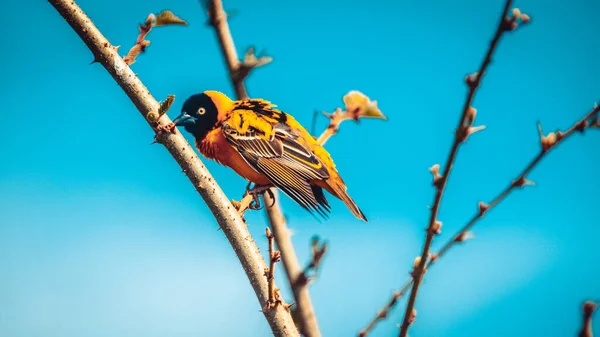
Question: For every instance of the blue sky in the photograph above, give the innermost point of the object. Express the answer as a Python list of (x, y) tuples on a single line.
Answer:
[(102, 235)]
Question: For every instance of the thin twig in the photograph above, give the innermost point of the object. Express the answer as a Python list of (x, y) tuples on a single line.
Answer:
[(357, 106), (547, 143), (304, 311), (228, 218), (162, 19), (385, 311), (588, 310), (274, 257), (463, 130), (311, 270)]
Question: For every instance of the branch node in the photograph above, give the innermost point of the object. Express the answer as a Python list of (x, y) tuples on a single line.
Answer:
[(250, 61), (483, 207), (436, 228), (311, 271), (522, 182), (472, 80), (435, 171), (414, 273), (274, 257), (466, 129), (464, 236)]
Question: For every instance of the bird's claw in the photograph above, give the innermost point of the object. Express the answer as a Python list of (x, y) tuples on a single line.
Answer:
[(170, 128), (255, 192)]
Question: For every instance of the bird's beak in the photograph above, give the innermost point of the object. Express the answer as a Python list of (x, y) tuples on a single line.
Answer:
[(182, 119)]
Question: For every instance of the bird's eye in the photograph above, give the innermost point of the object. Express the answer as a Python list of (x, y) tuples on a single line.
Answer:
[(201, 111)]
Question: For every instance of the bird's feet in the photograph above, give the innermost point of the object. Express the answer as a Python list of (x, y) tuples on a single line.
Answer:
[(257, 191), (170, 128), (251, 198)]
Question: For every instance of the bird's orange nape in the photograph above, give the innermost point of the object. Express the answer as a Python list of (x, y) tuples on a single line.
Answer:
[(223, 103)]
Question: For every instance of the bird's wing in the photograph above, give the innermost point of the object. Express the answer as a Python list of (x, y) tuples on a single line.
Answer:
[(264, 139)]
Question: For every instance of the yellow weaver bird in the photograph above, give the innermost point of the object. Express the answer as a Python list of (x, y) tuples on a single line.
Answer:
[(265, 146)]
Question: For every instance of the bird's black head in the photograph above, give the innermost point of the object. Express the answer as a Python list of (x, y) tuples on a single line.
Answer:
[(199, 115)]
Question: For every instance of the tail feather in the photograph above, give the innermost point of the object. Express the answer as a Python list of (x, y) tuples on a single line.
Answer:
[(340, 192)]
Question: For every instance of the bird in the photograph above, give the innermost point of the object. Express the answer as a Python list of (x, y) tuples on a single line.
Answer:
[(265, 146)]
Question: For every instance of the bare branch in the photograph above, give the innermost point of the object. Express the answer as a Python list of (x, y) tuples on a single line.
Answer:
[(311, 270), (385, 311), (464, 129), (586, 122), (238, 71), (274, 257), (229, 220), (588, 310), (162, 19), (304, 312)]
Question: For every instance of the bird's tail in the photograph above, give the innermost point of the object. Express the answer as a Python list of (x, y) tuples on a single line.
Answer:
[(339, 190)]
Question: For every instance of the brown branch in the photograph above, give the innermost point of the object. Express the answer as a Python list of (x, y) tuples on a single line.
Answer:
[(238, 71), (385, 311), (228, 218), (588, 310), (464, 129), (312, 268), (357, 105), (274, 257), (304, 312), (547, 143), (162, 19)]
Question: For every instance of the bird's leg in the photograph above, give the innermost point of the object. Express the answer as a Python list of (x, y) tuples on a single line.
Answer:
[(255, 192), (251, 198), (242, 205)]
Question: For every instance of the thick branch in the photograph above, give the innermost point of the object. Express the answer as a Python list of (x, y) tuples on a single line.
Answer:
[(463, 130), (586, 122), (229, 220), (305, 312)]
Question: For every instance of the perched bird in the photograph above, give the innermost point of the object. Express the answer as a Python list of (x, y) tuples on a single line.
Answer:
[(267, 147)]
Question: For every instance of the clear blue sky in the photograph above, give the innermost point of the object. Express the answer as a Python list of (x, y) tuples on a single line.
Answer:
[(102, 235)]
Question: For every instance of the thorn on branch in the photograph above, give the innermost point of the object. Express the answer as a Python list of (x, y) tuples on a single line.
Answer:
[(163, 18), (251, 61), (106, 45)]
